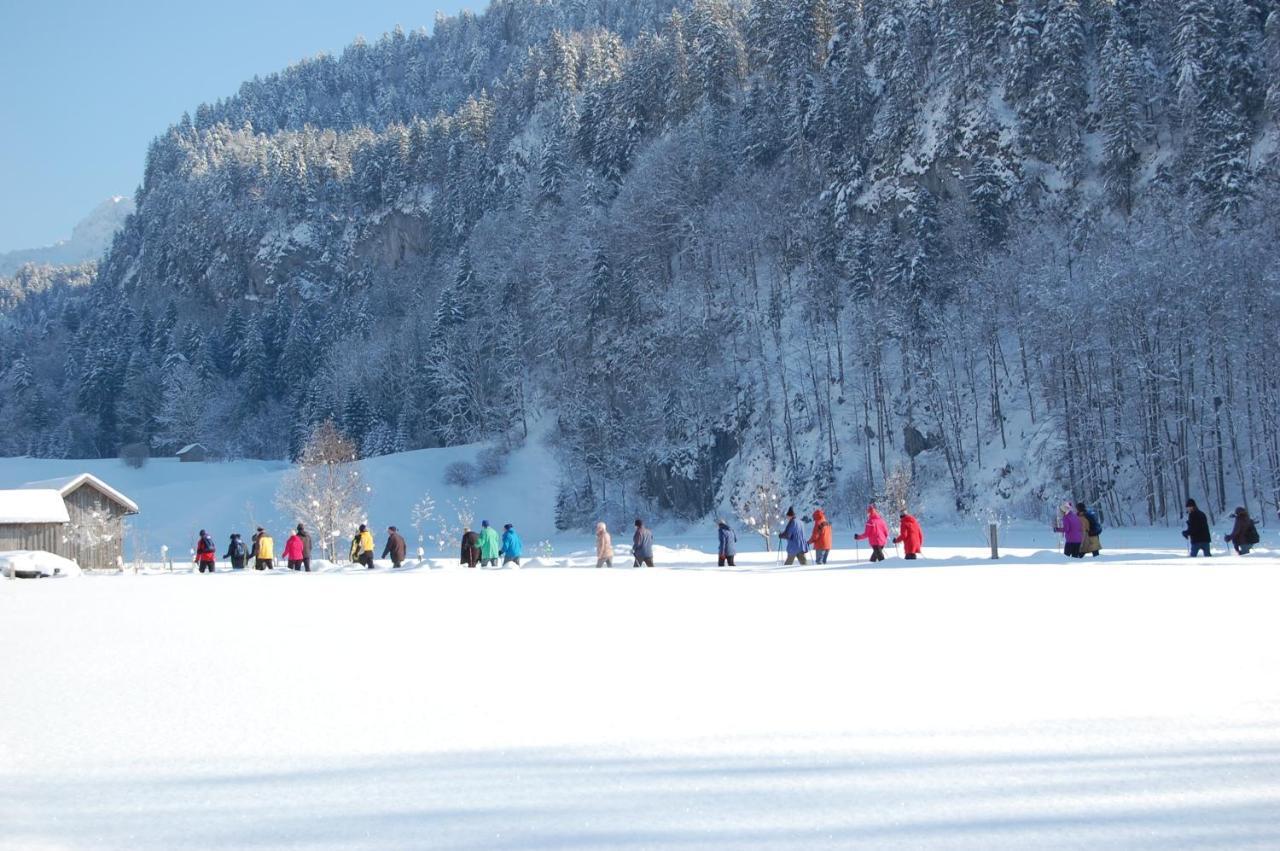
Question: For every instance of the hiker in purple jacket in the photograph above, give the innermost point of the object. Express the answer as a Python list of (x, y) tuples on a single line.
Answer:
[(1070, 525)]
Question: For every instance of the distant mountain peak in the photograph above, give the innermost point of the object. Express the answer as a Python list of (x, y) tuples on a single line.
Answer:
[(89, 239)]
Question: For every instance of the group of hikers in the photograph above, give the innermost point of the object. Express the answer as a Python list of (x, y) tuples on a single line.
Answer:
[(1082, 531), (484, 548), (798, 545), (1079, 525), (1242, 538)]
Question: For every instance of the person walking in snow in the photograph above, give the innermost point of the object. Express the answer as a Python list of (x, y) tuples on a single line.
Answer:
[(237, 552), (642, 545), (395, 548), (728, 544), (909, 535), (306, 548), (604, 546), (822, 536), (263, 551), (1071, 526), (1197, 531), (875, 533), (1244, 532), (293, 549), (793, 534), (470, 548), (490, 546), (362, 547), (206, 553), (512, 546), (1091, 527)]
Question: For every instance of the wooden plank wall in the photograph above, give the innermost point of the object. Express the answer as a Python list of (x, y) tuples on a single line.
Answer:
[(105, 554)]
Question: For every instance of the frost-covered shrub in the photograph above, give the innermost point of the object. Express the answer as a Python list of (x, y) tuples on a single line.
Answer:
[(492, 461), (135, 455), (461, 474)]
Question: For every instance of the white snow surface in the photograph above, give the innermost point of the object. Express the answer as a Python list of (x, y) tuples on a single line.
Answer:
[(1127, 702), (32, 506), (48, 564)]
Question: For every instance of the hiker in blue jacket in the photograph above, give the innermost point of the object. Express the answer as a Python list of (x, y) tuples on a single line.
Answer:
[(794, 535), (728, 544), (511, 546)]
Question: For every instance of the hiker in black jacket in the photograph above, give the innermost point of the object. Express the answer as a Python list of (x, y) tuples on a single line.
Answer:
[(1197, 531), (237, 552)]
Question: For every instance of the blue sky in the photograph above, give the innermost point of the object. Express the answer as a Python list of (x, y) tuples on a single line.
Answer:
[(86, 84)]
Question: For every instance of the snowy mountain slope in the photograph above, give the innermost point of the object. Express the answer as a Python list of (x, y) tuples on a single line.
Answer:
[(89, 240), (988, 244)]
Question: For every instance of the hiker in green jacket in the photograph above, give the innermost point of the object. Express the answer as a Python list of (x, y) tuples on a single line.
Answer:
[(490, 546)]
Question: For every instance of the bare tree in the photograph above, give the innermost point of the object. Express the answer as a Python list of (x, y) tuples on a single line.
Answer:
[(758, 504), (896, 492), (421, 516), (325, 488)]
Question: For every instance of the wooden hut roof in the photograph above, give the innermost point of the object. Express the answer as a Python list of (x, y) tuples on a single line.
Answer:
[(68, 484)]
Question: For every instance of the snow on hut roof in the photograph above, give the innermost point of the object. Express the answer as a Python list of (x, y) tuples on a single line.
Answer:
[(27, 505), (67, 484), (190, 446)]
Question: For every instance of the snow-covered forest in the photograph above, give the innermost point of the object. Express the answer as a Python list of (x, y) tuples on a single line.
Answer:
[(1017, 250)]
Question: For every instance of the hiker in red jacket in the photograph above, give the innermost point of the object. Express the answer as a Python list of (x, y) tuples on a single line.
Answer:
[(909, 535), (206, 553), (876, 533)]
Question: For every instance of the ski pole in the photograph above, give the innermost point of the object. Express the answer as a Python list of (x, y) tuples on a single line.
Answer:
[(857, 551)]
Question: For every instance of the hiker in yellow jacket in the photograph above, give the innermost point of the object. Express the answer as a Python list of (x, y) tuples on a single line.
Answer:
[(263, 550), (362, 547)]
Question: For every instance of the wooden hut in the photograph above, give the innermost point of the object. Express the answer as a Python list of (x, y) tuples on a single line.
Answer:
[(78, 517), (193, 452)]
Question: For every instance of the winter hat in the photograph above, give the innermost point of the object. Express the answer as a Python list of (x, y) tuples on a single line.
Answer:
[(639, 522), (791, 512), (203, 533), (363, 528), (508, 526), (1191, 503), (391, 528), (299, 527), (484, 523), (260, 529)]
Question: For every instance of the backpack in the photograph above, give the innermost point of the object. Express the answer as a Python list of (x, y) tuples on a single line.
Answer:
[(238, 549), (1095, 525), (1251, 535)]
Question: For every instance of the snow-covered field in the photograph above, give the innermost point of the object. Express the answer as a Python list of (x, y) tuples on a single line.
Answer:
[(1128, 702)]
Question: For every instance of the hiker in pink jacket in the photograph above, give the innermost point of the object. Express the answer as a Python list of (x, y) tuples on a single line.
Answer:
[(293, 552), (876, 533), (1072, 529)]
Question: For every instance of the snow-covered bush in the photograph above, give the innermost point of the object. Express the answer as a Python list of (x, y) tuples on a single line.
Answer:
[(461, 474), (491, 461)]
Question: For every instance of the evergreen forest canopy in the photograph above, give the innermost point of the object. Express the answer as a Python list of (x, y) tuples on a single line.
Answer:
[(1025, 249)]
